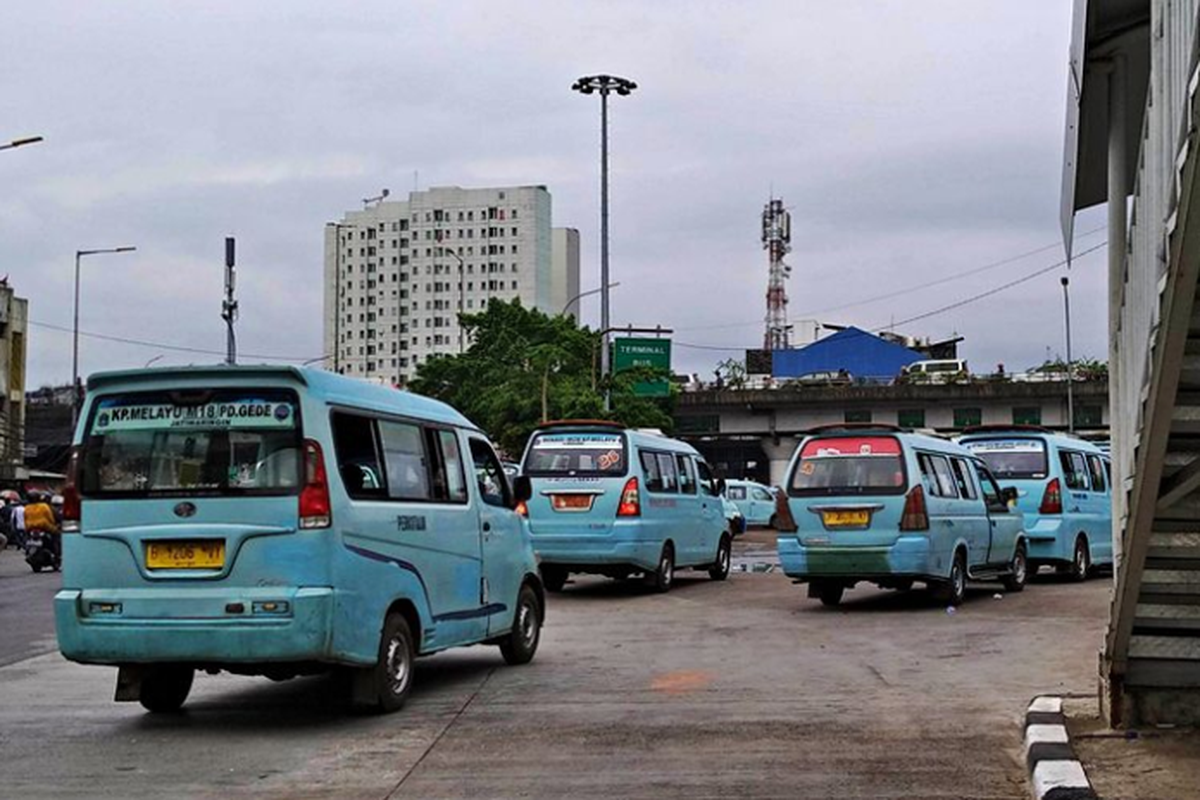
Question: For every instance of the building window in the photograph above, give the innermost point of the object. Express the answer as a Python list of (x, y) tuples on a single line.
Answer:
[(911, 418), (967, 417), (858, 415), (1089, 416), (1027, 415)]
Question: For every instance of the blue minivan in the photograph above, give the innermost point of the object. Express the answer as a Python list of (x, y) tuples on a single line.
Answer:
[(890, 507), (280, 521), (1064, 489), (614, 501)]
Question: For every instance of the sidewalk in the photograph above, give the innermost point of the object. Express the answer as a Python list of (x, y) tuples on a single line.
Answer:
[(1154, 764)]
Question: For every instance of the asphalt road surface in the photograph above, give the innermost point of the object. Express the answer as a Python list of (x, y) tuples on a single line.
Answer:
[(736, 689), (26, 610)]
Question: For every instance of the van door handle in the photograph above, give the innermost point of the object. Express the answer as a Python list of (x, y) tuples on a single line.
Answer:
[(487, 526)]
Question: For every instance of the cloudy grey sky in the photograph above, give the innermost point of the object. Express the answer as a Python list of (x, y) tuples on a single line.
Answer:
[(912, 141)]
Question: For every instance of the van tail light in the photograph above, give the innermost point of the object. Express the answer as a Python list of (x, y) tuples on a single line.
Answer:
[(915, 517), (522, 509), (70, 493), (1052, 499), (631, 501), (314, 497)]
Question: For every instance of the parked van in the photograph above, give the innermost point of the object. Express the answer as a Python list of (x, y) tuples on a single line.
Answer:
[(1064, 489), (281, 521), (755, 501), (946, 370), (614, 501), (881, 505)]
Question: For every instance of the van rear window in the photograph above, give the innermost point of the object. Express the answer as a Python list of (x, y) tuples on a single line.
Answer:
[(577, 453), (849, 465), (195, 442), (1012, 458)]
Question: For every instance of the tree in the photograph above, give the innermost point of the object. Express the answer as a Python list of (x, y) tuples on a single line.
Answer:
[(525, 367)]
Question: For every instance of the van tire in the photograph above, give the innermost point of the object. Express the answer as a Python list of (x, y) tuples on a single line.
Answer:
[(1081, 561), (662, 577), (830, 593), (554, 578), (522, 642), (392, 674), (719, 570), (1015, 580), (953, 590), (165, 688)]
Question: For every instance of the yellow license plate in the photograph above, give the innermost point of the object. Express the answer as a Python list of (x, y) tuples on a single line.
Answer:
[(571, 502), (846, 519), (186, 554)]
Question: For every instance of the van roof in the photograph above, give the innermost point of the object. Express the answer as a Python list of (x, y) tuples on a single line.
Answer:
[(328, 386), (906, 437), (1061, 438)]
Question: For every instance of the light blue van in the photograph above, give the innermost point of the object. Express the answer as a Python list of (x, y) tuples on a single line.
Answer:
[(613, 501), (281, 521), (889, 507), (755, 501), (1063, 488)]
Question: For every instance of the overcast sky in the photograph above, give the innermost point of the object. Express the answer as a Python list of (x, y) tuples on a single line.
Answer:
[(911, 140)]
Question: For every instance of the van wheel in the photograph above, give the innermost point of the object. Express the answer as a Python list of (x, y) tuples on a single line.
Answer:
[(165, 688), (719, 570), (829, 593), (661, 578), (554, 578), (953, 591), (520, 645), (393, 672), (773, 522), (1081, 562), (1019, 574)]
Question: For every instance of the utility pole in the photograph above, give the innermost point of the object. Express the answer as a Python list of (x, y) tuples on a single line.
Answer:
[(1066, 282), (777, 241), (229, 307)]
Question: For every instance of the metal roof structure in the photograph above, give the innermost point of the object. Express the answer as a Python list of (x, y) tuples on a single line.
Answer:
[(858, 352)]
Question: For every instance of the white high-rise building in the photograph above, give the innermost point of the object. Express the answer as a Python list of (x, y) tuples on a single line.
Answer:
[(397, 273)]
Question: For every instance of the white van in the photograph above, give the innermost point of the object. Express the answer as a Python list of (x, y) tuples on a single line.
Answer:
[(942, 370)]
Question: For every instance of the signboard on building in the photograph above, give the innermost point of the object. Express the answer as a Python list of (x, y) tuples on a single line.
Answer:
[(629, 353)]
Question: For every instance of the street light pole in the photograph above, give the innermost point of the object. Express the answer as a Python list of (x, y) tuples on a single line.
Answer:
[(461, 275), (1066, 282), (75, 330), (605, 85), (21, 142)]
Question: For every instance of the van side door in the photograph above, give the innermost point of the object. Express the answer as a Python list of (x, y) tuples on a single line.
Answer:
[(1005, 523), (503, 543), (1100, 511), (951, 517)]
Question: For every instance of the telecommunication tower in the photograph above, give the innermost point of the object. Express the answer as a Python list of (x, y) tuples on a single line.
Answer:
[(777, 241)]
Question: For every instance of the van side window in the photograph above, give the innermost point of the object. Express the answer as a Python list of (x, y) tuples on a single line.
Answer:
[(736, 492), (405, 461), (707, 485), (650, 470), (1097, 470), (357, 456), (456, 486), (939, 480), (687, 478), (1074, 469), (666, 468), (493, 486), (962, 477), (991, 491)]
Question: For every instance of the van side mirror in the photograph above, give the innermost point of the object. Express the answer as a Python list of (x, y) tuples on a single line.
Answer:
[(522, 489), (719, 486), (1009, 493)]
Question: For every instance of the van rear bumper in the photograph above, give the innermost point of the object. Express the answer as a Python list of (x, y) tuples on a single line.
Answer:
[(910, 556), (1048, 539), (167, 625), (583, 551)]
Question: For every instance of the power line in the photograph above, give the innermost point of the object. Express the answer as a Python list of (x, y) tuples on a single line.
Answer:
[(161, 345)]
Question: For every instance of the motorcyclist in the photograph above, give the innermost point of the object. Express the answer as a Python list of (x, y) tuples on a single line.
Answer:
[(39, 516)]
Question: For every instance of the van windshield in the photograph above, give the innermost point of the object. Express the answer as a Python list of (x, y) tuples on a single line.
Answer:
[(206, 442), (1012, 458), (577, 453), (849, 465)]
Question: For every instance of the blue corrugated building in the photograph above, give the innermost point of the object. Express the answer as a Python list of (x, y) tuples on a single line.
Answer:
[(864, 355)]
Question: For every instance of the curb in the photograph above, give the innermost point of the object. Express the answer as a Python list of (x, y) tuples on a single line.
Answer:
[(1054, 771)]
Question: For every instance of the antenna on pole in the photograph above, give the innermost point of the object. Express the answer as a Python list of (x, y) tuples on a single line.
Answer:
[(379, 198), (229, 307), (777, 241)]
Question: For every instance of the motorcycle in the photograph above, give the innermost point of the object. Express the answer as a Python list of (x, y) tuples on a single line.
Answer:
[(41, 551)]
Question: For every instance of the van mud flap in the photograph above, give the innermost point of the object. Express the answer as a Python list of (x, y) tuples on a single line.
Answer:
[(129, 683)]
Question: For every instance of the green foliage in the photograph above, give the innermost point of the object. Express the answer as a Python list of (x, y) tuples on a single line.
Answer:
[(524, 367)]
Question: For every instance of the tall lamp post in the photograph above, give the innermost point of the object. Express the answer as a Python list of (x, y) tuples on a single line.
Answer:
[(1066, 282), (605, 85), (461, 275), (588, 293), (79, 254)]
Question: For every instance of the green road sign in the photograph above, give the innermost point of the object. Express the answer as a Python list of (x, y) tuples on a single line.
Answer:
[(653, 353)]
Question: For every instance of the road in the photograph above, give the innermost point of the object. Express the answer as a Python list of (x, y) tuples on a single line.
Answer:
[(735, 689), (26, 610)]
